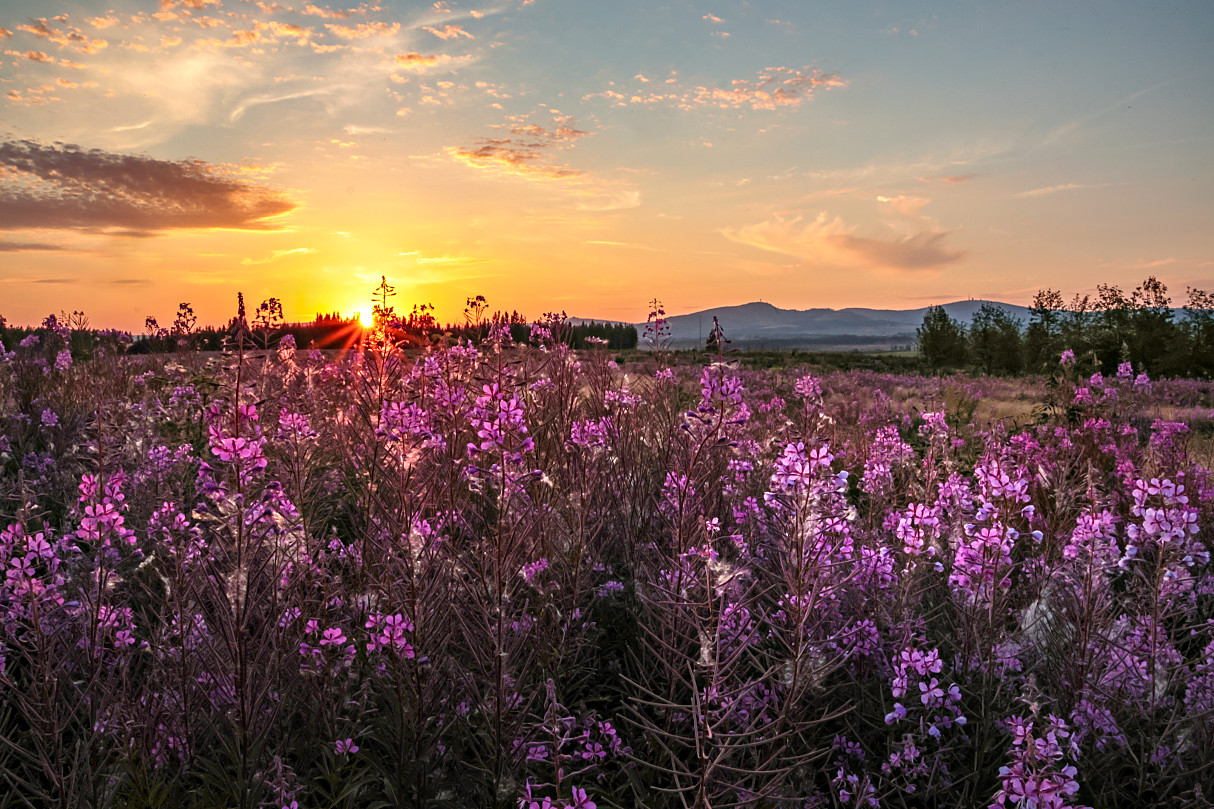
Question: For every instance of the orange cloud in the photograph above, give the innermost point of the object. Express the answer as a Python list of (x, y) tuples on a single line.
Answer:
[(339, 14), (448, 32), (67, 37), (22, 247), (364, 30), (419, 62), (523, 155), (66, 187)]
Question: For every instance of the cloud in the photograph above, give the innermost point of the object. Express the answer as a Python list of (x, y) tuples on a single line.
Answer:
[(1054, 189), (277, 254), (501, 156), (256, 101), (600, 197), (525, 154), (339, 14), (364, 30), (712, 18), (628, 245), (21, 247), (903, 204), (68, 37), (772, 88), (448, 32), (419, 62), (419, 258), (65, 187), (950, 179), (1151, 265), (827, 240), (356, 129)]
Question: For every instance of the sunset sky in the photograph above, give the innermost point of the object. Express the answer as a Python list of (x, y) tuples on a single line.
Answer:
[(591, 155)]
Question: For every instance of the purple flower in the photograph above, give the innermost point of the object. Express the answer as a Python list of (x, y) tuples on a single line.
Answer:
[(343, 746), (333, 637), (581, 800)]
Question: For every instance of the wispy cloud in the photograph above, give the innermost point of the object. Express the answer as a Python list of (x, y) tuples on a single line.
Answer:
[(277, 254), (448, 32), (904, 204), (64, 186), (255, 101), (417, 257), (772, 88), (364, 30), (22, 247), (1151, 265), (1054, 189), (627, 245), (829, 240), (949, 179)]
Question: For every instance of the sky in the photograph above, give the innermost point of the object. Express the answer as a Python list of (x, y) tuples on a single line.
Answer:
[(590, 156)]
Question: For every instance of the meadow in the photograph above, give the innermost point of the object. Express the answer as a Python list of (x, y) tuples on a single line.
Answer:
[(497, 575)]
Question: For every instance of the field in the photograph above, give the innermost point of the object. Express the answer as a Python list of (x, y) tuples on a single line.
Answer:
[(502, 576)]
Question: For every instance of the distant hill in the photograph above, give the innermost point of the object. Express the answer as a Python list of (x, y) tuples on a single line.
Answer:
[(760, 324)]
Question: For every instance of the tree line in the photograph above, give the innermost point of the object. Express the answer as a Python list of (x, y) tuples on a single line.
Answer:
[(1108, 328)]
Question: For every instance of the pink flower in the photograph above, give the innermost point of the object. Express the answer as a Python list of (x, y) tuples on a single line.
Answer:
[(333, 637), (581, 800)]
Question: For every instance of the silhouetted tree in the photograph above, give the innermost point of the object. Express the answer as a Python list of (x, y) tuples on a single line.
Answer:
[(1153, 334), (941, 340), (1199, 333), (995, 342), (1043, 341)]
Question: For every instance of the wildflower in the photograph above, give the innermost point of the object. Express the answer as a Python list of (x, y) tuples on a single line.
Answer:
[(344, 746), (388, 632), (333, 637), (1068, 358), (581, 800), (808, 387)]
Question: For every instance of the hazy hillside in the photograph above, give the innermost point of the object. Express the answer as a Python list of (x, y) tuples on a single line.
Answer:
[(762, 324)]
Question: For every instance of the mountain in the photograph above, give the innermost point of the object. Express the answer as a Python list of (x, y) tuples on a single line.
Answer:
[(761, 324)]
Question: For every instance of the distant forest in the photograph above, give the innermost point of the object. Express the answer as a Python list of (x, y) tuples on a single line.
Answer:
[(327, 330), (1106, 329)]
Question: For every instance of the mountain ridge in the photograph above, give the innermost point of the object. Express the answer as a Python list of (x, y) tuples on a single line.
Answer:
[(762, 323)]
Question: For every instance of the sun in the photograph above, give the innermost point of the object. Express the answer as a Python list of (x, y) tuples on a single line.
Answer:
[(364, 319)]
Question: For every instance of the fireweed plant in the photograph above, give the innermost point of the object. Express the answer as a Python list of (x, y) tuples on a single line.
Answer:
[(523, 576)]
